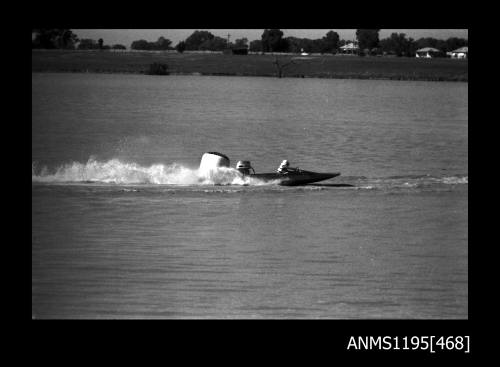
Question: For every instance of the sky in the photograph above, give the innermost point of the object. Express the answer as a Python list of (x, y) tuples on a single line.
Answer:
[(127, 36)]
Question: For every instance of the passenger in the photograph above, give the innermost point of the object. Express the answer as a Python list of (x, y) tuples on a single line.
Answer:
[(285, 167)]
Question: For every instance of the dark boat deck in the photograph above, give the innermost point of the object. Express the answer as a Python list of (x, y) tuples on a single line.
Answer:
[(295, 178)]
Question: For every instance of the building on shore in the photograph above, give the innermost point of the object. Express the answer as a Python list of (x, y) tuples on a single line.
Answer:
[(460, 53), (427, 52), (349, 49)]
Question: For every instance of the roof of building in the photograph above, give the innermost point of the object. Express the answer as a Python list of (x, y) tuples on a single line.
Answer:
[(349, 46), (427, 49), (464, 49)]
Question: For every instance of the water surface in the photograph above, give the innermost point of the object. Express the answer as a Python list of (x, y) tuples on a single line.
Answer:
[(123, 227)]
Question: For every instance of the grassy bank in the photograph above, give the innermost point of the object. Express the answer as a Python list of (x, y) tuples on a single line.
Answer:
[(340, 67)]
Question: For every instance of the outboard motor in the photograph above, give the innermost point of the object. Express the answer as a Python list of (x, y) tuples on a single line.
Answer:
[(244, 167)]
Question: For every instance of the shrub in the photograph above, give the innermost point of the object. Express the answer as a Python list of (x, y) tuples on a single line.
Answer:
[(157, 69)]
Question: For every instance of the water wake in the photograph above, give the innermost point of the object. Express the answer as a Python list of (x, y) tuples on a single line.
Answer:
[(118, 172), (411, 182), (115, 171)]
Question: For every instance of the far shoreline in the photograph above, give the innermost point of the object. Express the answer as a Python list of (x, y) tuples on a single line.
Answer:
[(338, 77), (321, 66)]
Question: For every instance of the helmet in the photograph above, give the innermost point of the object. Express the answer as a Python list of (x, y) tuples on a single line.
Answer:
[(243, 164), (285, 163)]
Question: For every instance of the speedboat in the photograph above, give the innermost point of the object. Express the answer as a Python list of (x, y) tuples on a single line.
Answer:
[(293, 177)]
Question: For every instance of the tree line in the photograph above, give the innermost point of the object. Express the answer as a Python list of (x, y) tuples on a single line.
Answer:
[(368, 41), (399, 45), (67, 40), (272, 40)]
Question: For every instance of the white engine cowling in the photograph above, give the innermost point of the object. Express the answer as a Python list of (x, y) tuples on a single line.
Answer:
[(210, 161)]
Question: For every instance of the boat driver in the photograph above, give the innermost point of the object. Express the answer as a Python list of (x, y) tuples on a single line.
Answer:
[(285, 167)]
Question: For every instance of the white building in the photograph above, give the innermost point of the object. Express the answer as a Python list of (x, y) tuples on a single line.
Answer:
[(460, 53), (349, 48), (427, 52)]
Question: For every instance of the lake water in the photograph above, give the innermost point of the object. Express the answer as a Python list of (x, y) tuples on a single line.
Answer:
[(123, 226)]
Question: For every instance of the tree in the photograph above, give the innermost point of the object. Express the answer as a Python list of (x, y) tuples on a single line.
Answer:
[(307, 45), (67, 39), (398, 45), (241, 43), (330, 42), (197, 38), (317, 46), (427, 42), (44, 38), (118, 47), (294, 44), (411, 48), (453, 43), (53, 38), (100, 42), (87, 44), (162, 44), (343, 42), (256, 46), (181, 46), (367, 38), (140, 45), (272, 41), (214, 44), (432, 42)]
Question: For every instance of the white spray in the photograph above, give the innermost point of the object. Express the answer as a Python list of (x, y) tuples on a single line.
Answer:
[(213, 170)]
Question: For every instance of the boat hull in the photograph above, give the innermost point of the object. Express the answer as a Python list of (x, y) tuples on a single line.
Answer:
[(294, 178)]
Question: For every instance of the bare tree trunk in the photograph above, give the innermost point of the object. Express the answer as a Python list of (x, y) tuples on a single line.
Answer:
[(281, 66)]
